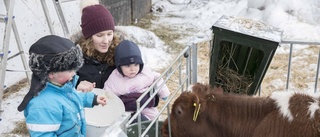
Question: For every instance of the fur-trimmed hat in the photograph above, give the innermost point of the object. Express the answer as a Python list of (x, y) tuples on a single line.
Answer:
[(50, 54), (127, 52), (95, 18)]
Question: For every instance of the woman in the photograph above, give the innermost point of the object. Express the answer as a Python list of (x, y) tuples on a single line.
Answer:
[(98, 41)]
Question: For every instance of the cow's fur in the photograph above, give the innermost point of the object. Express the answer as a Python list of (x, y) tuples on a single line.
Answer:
[(283, 114)]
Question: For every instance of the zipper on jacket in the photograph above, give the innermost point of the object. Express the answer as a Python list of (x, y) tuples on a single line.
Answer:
[(67, 129), (103, 68)]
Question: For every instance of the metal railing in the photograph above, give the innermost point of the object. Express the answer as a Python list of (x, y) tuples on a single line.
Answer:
[(291, 43), (179, 74)]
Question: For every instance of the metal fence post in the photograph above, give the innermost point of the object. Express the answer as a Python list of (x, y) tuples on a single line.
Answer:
[(317, 74), (194, 59)]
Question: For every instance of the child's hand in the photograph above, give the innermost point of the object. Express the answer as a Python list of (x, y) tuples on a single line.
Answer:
[(101, 100)]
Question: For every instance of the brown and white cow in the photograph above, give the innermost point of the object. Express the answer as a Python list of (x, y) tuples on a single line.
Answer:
[(205, 113)]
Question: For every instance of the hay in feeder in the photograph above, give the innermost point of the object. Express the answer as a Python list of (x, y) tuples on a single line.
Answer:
[(231, 81), (234, 75)]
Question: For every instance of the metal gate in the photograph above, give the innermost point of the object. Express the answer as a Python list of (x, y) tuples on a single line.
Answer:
[(180, 74), (292, 43)]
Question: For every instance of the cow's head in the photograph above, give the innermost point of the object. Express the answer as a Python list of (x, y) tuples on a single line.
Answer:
[(188, 111)]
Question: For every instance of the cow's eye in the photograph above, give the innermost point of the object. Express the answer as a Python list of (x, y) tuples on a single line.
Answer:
[(178, 110)]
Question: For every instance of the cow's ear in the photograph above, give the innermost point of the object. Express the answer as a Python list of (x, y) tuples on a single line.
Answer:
[(197, 106), (195, 99)]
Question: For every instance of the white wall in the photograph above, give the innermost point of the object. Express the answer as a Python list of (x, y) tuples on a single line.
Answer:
[(32, 24)]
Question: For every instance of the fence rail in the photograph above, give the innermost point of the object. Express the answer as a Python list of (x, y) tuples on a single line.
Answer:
[(291, 43)]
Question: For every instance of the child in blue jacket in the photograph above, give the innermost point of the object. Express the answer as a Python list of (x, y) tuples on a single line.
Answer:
[(53, 107)]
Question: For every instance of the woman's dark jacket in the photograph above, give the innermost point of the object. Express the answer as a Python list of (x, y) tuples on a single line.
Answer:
[(94, 71)]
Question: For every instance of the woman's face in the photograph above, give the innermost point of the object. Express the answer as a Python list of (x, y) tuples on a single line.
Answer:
[(102, 40)]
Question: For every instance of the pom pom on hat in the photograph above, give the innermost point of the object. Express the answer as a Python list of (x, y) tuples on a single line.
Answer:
[(86, 3), (95, 18)]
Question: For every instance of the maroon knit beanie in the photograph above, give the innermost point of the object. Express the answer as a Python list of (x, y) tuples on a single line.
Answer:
[(94, 19)]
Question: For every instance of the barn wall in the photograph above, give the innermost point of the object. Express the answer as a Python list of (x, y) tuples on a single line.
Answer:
[(140, 8), (120, 10), (126, 11)]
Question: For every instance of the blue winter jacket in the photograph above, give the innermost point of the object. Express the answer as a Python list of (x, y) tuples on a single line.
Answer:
[(58, 111)]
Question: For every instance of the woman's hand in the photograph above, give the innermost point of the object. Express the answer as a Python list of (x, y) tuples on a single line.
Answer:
[(86, 86)]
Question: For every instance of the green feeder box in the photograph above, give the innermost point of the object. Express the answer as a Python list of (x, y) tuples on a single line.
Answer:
[(241, 52)]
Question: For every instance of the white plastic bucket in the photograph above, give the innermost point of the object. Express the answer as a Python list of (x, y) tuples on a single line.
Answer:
[(99, 118)]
